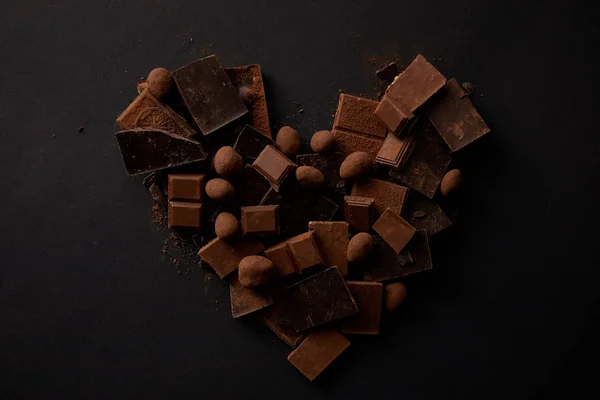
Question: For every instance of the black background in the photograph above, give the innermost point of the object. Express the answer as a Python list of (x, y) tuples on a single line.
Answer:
[(91, 308)]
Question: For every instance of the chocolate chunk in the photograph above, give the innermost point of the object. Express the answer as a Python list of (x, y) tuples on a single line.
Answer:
[(305, 251), (455, 118), (322, 298), (251, 186), (388, 72), (329, 165), (410, 90), (260, 220), (186, 187), (332, 240), (139, 150), (248, 81), (274, 166), (317, 352), (224, 257), (356, 128), (250, 143), (359, 212), (419, 254), (386, 194), (185, 214), (209, 94), (424, 213), (245, 301), (147, 112), (368, 297), (282, 257), (394, 151), (394, 229), (277, 321)]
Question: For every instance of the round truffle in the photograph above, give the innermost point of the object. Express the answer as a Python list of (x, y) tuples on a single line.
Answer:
[(356, 165), (394, 295), (322, 141), (160, 82), (359, 247), (255, 271), (228, 162), (226, 225), (288, 141), (219, 190), (450, 182), (309, 177)]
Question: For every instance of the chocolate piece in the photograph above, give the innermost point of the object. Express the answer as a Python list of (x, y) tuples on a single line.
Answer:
[(282, 257), (245, 301), (147, 112), (356, 128), (394, 151), (260, 220), (249, 84), (386, 194), (455, 118), (186, 187), (394, 229), (250, 142), (411, 89), (185, 214), (140, 155), (427, 164), (251, 186), (332, 240), (209, 94), (424, 213), (322, 298), (277, 321), (317, 351), (359, 212), (274, 166), (368, 297), (305, 251), (419, 253), (329, 164), (388, 72), (224, 257)]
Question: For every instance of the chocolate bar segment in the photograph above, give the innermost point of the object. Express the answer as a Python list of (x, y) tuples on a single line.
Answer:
[(209, 94), (455, 118), (186, 187), (224, 257), (386, 194), (274, 166), (277, 321), (332, 239), (305, 251), (260, 220), (394, 151), (139, 150), (282, 257), (394, 230), (185, 214), (250, 143), (368, 297), (424, 213), (359, 212), (329, 164), (245, 301)]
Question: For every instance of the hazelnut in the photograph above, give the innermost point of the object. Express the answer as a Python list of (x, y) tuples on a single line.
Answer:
[(226, 225), (394, 295), (359, 247), (322, 141), (450, 182), (288, 141), (160, 82), (255, 271), (309, 177), (219, 190), (356, 165), (228, 162)]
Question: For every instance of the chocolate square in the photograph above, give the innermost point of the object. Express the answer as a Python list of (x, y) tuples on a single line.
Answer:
[(305, 251), (224, 257), (317, 352), (185, 214), (359, 212), (368, 297), (274, 166), (260, 220), (282, 257), (186, 187), (394, 229)]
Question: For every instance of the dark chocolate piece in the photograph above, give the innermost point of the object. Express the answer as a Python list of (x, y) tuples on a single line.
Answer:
[(224, 257), (388, 72), (147, 150), (359, 212), (277, 321), (185, 214), (424, 213), (209, 94), (368, 297), (386, 194), (356, 128), (394, 151), (251, 186), (250, 143), (332, 239), (455, 118), (245, 301), (260, 220), (394, 229), (305, 251), (186, 187), (329, 164), (282, 257), (274, 166), (418, 254), (317, 352), (322, 298)]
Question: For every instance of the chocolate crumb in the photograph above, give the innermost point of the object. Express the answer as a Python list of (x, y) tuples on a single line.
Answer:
[(80, 129), (419, 214)]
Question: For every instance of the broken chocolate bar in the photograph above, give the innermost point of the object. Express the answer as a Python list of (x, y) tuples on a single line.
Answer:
[(245, 301), (455, 118), (394, 151), (138, 149), (356, 128), (368, 297), (224, 257), (251, 186), (329, 164), (322, 298), (388, 72), (186, 187), (305, 251), (424, 213), (260, 220), (209, 94), (250, 142), (359, 212), (317, 352), (277, 321), (185, 214), (386, 194), (274, 166), (394, 230), (332, 240), (282, 257)]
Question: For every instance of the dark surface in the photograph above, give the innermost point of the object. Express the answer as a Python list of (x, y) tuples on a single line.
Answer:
[(90, 307)]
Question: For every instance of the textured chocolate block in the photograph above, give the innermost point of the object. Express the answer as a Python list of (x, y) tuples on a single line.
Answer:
[(386, 194), (394, 151), (359, 212), (305, 251), (368, 297), (282, 257), (394, 229), (332, 239), (274, 166), (260, 220), (424, 213), (185, 214), (224, 257), (245, 301), (277, 321), (250, 142), (186, 187), (329, 164), (317, 352)]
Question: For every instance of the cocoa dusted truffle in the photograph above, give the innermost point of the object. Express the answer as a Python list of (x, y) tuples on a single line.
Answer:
[(226, 225), (356, 165), (310, 177), (322, 141), (359, 247), (228, 162), (288, 141), (255, 271), (160, 82), (219, 190)]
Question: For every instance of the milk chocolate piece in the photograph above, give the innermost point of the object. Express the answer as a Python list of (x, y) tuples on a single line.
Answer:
[(224, 257), (274, 166), (332, 240), (146, 111), (394, 151), (394, 229), (386, 194), (359, 212), (249, 83), (427, 164), (317, 352), (305, 251), (424, 213), (185, 214), (322, 298), (186, 187), (277, 321), (250, 143), (368, 297), (282, 257), (356, 128), (147, 150), (329, 164), (245, 301), (410, 90), (388, 72), (260, 220), (455, 118), (251, 186), (209, 94)]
